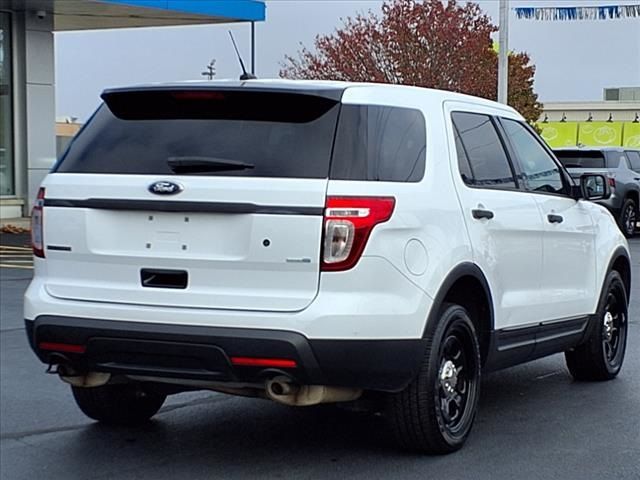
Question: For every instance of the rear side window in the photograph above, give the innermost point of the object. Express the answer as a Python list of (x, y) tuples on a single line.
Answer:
[(634, 160), (257, 134), (379, 143), (581, 159), (482, 159), (616, 159)]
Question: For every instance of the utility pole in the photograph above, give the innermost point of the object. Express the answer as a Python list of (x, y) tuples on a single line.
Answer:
[(253, 48), (211, 70), (503, 52)]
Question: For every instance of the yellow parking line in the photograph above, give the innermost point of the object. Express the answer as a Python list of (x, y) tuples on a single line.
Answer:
[(6, 265), (12, 248), (16, 260)]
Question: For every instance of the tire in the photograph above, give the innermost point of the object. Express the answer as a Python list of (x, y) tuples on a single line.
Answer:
[(118, 404), (435, 412), (628, 218), (601, 357)]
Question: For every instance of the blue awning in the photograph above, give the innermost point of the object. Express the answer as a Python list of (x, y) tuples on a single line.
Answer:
[(101, 14), (240, 10)]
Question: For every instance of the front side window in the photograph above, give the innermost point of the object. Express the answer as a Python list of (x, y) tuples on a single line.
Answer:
[(482, 159), (541, 173), (6, 111)]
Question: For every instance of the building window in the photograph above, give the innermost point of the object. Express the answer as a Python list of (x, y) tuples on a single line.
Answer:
[(6, 110)]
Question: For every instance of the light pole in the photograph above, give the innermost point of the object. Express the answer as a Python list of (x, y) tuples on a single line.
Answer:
[(503, 52)]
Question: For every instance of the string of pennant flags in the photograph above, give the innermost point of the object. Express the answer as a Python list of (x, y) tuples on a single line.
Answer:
[(605, 12)]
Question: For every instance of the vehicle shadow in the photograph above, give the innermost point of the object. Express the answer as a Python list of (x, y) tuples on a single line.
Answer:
[(525, 409)]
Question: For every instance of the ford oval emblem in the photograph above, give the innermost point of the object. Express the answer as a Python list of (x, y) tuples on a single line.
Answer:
[(165, 187)]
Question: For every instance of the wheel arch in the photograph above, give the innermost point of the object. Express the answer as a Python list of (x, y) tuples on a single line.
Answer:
[(634, 195), (622, 264), (466, 285)]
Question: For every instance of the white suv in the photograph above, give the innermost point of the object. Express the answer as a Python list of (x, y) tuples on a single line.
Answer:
[(315, 242)]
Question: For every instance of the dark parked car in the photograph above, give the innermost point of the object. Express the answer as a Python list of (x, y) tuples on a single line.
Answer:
[(622, 168)]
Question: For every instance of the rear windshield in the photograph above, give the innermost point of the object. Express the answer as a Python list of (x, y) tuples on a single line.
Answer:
[(576, 159), (258, 134), (272, 135)]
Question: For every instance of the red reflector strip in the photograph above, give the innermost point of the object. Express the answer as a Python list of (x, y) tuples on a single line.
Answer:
[(62, 347), (263, 362)]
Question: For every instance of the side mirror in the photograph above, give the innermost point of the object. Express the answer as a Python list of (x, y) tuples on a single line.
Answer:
[(594, 186)]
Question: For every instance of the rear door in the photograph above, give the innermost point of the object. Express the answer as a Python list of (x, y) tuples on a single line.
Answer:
[(193, 198), (504, 221)]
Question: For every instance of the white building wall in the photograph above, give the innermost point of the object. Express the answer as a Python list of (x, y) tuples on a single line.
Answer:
[(34, 108), (40, 100)]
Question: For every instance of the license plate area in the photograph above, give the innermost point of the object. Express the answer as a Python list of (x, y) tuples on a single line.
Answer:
[(163, 278)]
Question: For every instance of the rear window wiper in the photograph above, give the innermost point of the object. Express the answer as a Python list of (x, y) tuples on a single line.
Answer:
[(205, 164)]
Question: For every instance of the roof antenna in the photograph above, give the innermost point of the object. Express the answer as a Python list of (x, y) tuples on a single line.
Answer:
[(245, 75)]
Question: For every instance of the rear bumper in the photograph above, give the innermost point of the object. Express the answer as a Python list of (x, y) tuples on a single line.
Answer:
[(203, 353)]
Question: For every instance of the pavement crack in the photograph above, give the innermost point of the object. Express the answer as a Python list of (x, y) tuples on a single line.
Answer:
[(193, 403), (43, 431)]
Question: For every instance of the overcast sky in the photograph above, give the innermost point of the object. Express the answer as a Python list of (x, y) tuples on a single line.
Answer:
[(574, 60)]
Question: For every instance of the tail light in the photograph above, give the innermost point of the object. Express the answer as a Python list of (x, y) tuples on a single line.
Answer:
[(37, 240), (348, 222)]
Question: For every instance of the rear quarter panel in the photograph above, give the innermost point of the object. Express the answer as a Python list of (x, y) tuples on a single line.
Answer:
[(426, 236)]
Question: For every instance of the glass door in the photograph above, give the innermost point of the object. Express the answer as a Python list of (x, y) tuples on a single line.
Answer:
[(6, 110)]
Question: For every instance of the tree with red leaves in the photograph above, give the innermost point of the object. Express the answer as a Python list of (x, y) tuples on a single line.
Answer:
[(433, 44)]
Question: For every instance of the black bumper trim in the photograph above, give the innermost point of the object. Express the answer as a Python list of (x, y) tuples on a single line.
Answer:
[(200, 352)]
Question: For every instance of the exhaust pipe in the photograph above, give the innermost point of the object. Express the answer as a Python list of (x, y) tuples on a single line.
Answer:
[(88, 380), (282, 390)]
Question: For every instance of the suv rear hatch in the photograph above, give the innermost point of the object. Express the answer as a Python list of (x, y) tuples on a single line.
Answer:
[(209, 197)]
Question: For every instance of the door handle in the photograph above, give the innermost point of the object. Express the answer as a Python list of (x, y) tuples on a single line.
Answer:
[(555, 218), (478, 214)]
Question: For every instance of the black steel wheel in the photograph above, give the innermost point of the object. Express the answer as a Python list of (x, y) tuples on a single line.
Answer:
[(118, 404), (628, 218), (601, 357), (435, 412)]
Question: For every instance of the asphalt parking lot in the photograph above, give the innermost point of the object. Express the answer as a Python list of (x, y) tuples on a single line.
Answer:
[(534, 423)]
